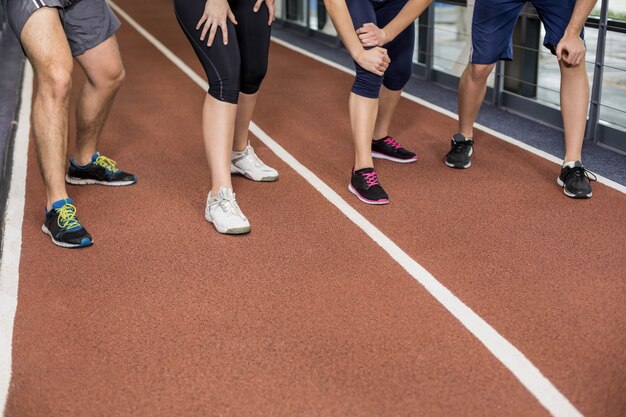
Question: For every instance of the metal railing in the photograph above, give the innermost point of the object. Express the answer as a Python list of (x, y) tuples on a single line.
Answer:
[(529, 85)]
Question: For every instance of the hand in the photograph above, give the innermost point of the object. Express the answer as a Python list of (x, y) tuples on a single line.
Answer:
[(374, 60), (270, 7), (372, 35), (215, 14), (571, 50)]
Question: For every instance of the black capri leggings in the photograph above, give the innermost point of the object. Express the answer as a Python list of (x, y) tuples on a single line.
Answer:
[(239, 66)]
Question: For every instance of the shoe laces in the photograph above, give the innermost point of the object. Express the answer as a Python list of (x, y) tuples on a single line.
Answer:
[(371, 178), (252, 157), (228, 205), (67, 217), (107, 163), (458, 147), (580, 173), (392, 142)]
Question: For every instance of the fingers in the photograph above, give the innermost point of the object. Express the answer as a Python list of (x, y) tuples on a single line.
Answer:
[(205, 29), (201, 21), (272, 10), (257, 5), (224, 27), (212, 32), (231, 17), (559, 51)]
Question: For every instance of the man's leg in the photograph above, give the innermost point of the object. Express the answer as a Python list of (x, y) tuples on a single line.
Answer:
[(574, 107), (472, 90), (105, 74), (47, 49)]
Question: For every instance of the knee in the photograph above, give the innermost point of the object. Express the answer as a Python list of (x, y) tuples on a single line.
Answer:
[(367, 84), (226, 90), (252, 78), (110, 79), (479, 72), (398, 78), (56, 82)]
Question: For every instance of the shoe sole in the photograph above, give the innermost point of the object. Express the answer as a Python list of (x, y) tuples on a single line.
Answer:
[(365, 200), (80, 181), (83, 244), (224, 231), (469, 163), (237, 171), (571, 195), (392, 159)]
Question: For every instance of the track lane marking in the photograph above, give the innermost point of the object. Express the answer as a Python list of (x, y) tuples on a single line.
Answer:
[(511, 357), (12, 239), (515, 142)]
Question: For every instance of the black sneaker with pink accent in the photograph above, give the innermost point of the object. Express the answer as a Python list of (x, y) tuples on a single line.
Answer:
[(364, 184), (388, 148)]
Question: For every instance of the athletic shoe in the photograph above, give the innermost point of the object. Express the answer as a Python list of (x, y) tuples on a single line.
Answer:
[(223, 211), (460, 152), (63, 226), (388, 148), (101, 170), (364, 184), (248, 164), (575, 180)]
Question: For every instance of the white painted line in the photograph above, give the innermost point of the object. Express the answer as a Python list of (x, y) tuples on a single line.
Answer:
[(12, 238), (538, 385), (501, 136)]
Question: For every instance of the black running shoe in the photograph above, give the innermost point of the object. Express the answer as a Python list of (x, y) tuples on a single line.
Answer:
[(364, 184), (63, 226), (460, 153), (101, 170), (387, 148), (575, 180)]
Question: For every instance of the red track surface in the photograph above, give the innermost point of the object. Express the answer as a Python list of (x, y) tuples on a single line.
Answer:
[(308, 316)]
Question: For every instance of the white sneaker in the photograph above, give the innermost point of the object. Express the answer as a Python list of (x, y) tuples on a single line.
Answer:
[(223, 211), (248, 164)]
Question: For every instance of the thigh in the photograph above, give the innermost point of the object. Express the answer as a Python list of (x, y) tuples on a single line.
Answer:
[(555, 16), (88, 23), (361, 12), (44, 41), (253, 32), (400, 50), (492, 29), (220, 62)]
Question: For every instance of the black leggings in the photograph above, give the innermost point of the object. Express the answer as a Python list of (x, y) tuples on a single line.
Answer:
[(239, 66)]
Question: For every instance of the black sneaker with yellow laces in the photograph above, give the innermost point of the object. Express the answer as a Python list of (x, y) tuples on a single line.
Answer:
[(63, 226), (101, 170)]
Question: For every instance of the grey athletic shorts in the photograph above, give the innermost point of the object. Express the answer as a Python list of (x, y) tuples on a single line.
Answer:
[(87, 23)]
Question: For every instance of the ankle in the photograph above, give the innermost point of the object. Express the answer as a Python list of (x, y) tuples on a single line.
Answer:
[(81, 159)]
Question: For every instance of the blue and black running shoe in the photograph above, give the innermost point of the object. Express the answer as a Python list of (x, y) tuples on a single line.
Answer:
[(101, 170), (63, 226)]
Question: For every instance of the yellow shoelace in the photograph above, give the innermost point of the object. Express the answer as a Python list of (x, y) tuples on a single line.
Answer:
[(67, 217), (108, 164)]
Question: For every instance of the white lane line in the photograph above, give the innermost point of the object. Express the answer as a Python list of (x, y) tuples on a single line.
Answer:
[(501, 136), (12, 238), (527, 373)]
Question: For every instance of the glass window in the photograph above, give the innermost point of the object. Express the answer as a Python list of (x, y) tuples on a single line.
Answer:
[(295, 11), (319, 19), (613, 108)]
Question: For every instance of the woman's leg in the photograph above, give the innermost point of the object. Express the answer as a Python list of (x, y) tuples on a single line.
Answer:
[(253, 35), (363, 102), (222, 66)]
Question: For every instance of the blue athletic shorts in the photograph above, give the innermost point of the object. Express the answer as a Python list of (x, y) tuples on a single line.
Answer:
[(494, 21)]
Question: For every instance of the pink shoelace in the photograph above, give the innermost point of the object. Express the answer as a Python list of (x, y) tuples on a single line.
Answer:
[(391, 141), (371, 178)]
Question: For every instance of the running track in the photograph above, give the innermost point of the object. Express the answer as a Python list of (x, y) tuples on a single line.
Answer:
[(310, 315)]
